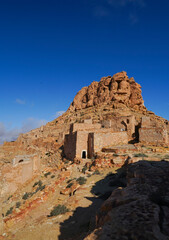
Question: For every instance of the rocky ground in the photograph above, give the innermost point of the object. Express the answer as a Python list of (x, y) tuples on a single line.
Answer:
[(29, 217), (128, 186), (141, 209)]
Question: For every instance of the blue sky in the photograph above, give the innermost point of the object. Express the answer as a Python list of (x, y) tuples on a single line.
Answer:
[(50, 49)]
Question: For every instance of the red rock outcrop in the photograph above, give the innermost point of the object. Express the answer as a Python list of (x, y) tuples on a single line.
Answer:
[(117, 89), (140, 210)]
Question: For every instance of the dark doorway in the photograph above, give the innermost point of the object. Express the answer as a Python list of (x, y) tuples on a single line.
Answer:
[(125, 125), (84, 154)]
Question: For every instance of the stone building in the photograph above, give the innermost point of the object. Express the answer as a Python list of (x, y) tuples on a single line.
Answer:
[(23, 168), (85, 139)]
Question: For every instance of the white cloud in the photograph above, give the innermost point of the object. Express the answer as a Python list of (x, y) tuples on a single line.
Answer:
[(8, 134), (32, 123), (19, 101), (59, 113)]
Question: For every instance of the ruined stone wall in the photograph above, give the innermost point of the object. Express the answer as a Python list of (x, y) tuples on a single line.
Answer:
[(21, 159), (118, 124), (105, 139), (152, 132), (24, 160), (13, 177), (154, 136), (145, 122), (70, 145), (106, 124), (84, 126), (88, 121), (36, 163)]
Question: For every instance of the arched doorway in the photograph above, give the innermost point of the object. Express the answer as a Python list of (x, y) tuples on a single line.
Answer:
[(84, 154)]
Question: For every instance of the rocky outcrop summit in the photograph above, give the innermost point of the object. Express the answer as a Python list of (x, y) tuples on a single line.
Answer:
[(118, 89), (140, 210), (112, 97)]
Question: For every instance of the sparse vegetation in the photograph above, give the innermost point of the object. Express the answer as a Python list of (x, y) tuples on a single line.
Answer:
[(96, 172), (47, 174), (84, 169), (69, 185), (48, 154), (60, 209), (71, 180), (27, 195), (9, 197), (18, 204), (52, 176), (40, 188), (39, 183), (81, 180), (140, 155), (68, 181), (9, 211), (166, 156)]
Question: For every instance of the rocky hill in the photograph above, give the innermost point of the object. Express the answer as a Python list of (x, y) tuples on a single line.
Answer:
[(111, 97), (77, 189)]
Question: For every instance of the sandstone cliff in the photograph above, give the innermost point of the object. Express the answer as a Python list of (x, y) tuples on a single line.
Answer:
[(117, 89)]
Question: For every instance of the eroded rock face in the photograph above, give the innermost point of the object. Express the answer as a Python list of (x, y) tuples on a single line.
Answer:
[(140, 210), (117, 89)]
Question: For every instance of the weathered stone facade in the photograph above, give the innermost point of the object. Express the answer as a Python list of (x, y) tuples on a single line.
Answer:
[(150, 133), (123, 123), (22, 169), (85, 139), (98, 140)]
